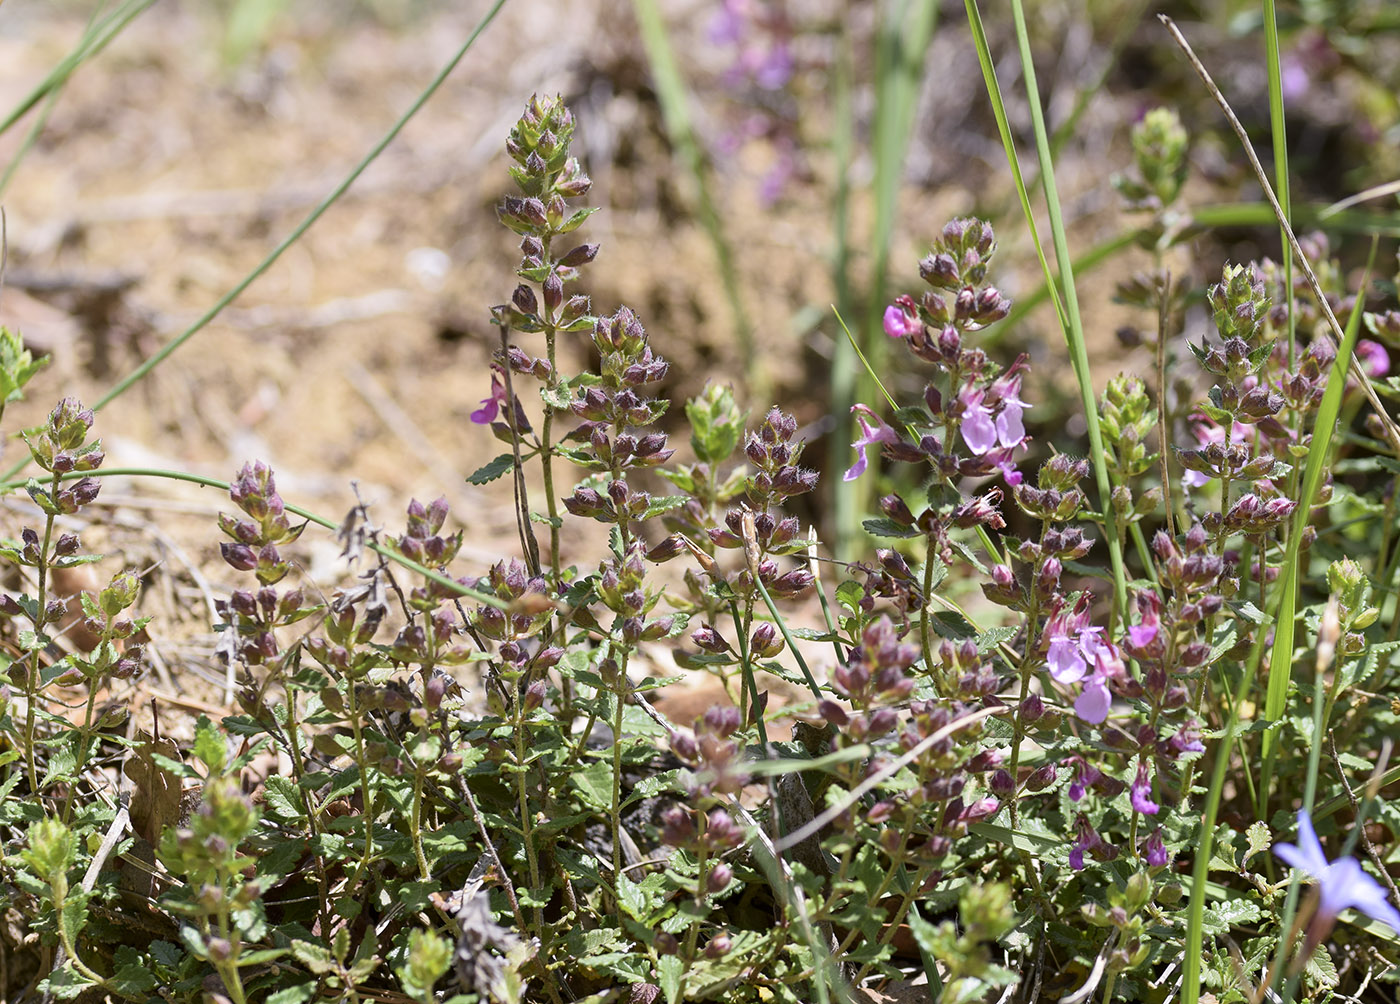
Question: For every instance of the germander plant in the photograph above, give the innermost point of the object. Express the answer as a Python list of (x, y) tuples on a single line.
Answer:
[(994, 772)]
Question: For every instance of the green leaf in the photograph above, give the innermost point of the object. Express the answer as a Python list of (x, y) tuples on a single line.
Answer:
[(316, 958), (210, 746), (133, 980), (1258, 839), (664, 503), (639, 899), (297, 994), (489, 472), (1321, 971), (65, 983), (75, 914), (669, 970), (282, 796), (366, 958), (1221, 917), (594, 785), (883, 526)]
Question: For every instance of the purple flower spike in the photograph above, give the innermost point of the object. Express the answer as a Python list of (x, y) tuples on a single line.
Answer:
[(1141, 792), (873, 431), (1342, 883)]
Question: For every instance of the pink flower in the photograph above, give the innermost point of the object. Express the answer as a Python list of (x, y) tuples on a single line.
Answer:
[(873, 432), (491, 406), (902, 318), (1069, 658), (1010, 429), (1373, 358), (1095, 699), (1140, 793), (982, 429), (1154, 850), (979, 430), (1207, 432)]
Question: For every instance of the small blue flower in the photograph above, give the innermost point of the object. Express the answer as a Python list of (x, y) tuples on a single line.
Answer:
[(1341, 883)]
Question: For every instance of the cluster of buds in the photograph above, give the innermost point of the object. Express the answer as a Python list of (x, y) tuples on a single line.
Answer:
[(622, 588), (873, 679), (547, 176), (963, 673), (251, 617), (1126, 419), (527, 596), (611, 410), (206, 854), (715, 757), (256, 539), (423, 541), (60, 447), (942, 768), (1160, 145), (757, 526), (349, 627), (106, 619)]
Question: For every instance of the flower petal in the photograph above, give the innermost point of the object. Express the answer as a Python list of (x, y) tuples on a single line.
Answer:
[(1094, 702), (978, 429)]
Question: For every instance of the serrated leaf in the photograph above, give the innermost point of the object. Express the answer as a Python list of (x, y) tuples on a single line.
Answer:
[(669, 970), (1321, 971), (316, 958), (282, 796), (210, 746), (298, 994), (1258, 838), (65, 984), (1221, 917), (664, 503), (133, 980), (633, 899), (366, 958), (489, 472), (883, 526), (594, 785)]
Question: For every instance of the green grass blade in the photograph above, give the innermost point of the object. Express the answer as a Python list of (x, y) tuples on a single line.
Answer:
[(1195, 919), (94, 39), (673, 96), (989, 78), (169, 347), (1073, 326), (901, 44), (1229, 214)]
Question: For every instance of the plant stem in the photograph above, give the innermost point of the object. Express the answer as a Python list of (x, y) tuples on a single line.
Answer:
[(31, 682)]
